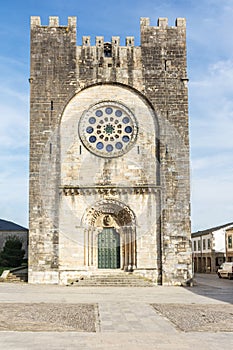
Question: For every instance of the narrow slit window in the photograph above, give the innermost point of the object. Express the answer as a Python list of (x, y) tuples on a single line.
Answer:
[(230, 241)]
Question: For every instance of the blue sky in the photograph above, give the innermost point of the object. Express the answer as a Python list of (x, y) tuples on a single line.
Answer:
[(210, 71)]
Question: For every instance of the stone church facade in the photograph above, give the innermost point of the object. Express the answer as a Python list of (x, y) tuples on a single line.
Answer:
[(109, 154)]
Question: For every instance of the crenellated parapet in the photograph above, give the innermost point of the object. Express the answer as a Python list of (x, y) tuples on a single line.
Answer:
[(162, 23), (53, 22), (115, 41)]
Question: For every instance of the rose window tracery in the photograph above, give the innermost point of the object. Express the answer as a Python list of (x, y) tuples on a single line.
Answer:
[(108, 129)]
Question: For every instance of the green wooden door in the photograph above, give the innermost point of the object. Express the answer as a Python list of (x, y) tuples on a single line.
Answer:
[(108, 249)]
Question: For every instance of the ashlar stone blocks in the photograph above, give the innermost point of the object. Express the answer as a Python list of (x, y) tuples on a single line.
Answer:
[(109, 150)]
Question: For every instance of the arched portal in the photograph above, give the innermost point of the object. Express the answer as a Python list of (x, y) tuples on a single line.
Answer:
[(110, 236)]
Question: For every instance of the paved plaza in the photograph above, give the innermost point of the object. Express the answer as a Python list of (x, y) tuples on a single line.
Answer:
[(125, 317)]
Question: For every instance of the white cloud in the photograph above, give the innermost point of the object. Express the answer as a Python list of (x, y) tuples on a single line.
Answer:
[(14, 194), (212, 203), (14, 127), (14, 140), (14, 94), (212, 145), (212, 108)]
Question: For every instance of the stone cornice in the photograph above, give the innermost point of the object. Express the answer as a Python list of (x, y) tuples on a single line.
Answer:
[(108, 190)]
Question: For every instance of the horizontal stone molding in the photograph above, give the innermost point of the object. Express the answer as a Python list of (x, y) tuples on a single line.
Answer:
[(108, 190)]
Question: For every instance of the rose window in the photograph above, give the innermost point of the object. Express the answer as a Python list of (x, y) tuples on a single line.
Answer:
[(108, 129)]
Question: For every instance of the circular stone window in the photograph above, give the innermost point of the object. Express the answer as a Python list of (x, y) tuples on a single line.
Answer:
[(108, 129)]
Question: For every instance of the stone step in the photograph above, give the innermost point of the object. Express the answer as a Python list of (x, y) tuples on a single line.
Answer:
[(115, 280), (113, 285), (11, 278), (112, 281)]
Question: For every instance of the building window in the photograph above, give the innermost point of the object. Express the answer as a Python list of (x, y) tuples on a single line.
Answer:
[(194, 246), (208, 243), (108, 129), (229, 241), (204, 245), (107, 50), (199, 245)]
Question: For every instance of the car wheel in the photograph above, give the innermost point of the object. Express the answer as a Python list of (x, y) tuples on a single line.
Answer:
[(219, 275)]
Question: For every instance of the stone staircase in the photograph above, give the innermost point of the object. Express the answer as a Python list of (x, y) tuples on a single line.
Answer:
[(112, 280), (16, 275), (10, 278)]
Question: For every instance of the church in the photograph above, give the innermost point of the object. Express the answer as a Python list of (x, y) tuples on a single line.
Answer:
[(109, 154)]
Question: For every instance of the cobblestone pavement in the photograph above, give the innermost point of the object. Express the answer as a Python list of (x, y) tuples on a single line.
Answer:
[(48, 317), (189, 318), (126, 318)]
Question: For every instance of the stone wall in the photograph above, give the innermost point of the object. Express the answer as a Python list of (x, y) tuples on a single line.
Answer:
[(53, 83), (164, 70), (152, 177)]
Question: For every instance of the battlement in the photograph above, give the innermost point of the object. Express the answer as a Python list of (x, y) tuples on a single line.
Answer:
[(146, 29), (53, 22), (99, 41), (72, 21), (162, 22), (86, 39)]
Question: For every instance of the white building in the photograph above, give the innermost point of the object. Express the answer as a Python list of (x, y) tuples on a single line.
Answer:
[(209, 248)]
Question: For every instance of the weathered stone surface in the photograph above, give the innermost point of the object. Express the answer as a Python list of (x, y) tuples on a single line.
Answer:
[(143, 189)]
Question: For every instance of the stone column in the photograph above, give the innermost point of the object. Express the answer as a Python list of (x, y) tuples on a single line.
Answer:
[(85, 247), (130, 246), (126, 249)]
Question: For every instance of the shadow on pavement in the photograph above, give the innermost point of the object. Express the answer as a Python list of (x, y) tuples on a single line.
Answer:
[(210, 286)]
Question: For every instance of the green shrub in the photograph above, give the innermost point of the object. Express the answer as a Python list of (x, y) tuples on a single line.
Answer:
[(12, 253)]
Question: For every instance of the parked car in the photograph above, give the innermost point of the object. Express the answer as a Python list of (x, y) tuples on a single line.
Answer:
[(226, 270)]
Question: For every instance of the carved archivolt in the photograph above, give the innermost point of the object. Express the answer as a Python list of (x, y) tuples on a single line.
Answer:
[(108, 212)]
